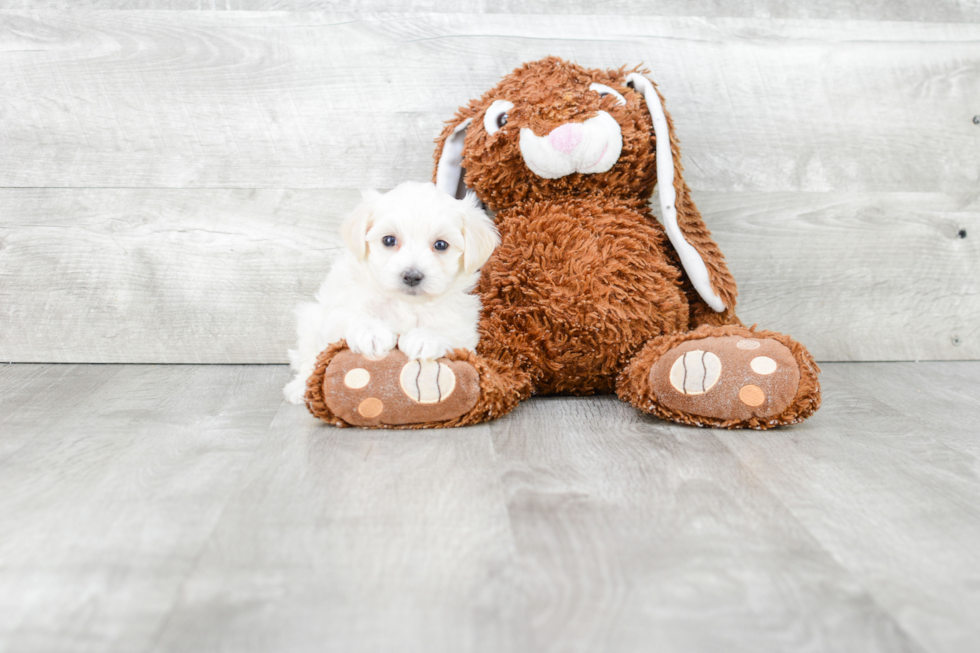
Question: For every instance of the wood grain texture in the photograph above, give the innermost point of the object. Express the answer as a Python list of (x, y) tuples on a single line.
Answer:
[(911, 10), (856, 276), (633, 535), (22, 391), (837, 162), (161, 275), (211, 276), (887, 477), (164, 508), (319, 100), (350, 540), (104, 509)]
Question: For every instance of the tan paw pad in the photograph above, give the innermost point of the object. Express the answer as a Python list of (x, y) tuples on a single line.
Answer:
[(370, 407), (427, 382), (357, 378), (752, 395), (763, 365), (695, 372)]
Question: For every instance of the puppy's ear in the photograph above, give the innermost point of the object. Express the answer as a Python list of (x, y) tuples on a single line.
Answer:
[(479, 233), (355, 226)]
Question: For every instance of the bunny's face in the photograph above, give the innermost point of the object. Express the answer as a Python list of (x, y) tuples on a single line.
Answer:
[(552, 129)]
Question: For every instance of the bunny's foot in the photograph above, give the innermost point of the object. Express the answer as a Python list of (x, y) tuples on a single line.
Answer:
[(348, 389), (727, 376)]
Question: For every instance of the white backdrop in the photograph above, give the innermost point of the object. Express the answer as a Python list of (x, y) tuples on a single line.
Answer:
[(171, 181)]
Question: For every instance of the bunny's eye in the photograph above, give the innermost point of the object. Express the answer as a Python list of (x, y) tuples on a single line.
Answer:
[(604, 90), (496, 116)]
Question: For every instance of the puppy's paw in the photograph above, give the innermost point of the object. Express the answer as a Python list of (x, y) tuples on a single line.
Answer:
[(373, 340), (424, 344), (295, 390)]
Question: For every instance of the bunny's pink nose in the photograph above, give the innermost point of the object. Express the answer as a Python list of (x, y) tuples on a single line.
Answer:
[(567, 137)]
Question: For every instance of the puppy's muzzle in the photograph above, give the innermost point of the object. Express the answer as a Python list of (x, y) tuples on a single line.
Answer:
[(412, 278)]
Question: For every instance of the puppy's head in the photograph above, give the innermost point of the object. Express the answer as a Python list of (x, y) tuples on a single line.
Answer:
[(418, 242)]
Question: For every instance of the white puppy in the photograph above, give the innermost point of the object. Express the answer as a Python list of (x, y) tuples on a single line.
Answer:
[(412, 257)]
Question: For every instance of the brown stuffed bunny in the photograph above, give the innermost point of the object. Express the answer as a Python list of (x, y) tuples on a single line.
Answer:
[(587, 293)]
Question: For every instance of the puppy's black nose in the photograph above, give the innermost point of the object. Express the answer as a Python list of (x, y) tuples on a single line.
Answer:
[(412, 277)]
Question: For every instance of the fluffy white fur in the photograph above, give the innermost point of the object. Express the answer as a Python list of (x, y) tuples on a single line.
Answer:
[(367, 298)]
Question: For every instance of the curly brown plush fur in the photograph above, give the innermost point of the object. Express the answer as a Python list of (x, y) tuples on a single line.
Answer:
[(549, 93), (586, 293)]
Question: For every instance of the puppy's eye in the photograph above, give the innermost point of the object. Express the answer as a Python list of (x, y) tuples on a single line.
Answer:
[(604, 90), (496, 116), (389, 241), (441, 245)]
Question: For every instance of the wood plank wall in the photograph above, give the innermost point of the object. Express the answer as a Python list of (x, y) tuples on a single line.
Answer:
[(173, 172)]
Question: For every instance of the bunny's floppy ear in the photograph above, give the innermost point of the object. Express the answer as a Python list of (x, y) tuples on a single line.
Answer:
[(449, 170), (712, 281)]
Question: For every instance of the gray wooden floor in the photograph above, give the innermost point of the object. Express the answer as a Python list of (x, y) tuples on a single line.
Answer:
[(186, 508)]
